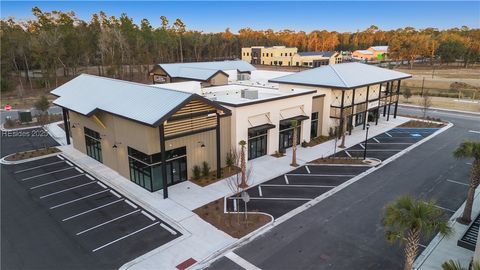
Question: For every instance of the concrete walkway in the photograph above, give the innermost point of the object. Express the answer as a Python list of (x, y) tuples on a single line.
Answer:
[(200, 239), (442, 249)]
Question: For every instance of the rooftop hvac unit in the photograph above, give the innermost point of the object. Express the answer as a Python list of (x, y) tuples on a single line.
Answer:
[(249, 94)]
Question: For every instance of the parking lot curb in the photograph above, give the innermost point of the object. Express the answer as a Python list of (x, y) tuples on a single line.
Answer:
[(247, 239), (7, 162)]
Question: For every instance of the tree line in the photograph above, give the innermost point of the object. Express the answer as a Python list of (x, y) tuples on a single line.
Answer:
[(118, 47)]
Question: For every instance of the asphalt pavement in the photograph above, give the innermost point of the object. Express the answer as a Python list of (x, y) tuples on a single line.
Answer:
[(345, 230)]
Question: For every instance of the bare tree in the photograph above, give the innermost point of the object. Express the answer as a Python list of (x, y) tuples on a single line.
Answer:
[(243, 165), (426, 103), (295, 126), (234, 184)]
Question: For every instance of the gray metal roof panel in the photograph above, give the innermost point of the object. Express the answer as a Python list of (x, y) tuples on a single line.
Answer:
[(193, 69), (345, 75), (139, 102)]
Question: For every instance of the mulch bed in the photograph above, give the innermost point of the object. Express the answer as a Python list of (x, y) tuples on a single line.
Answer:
[(231, 223), (212, 177), (32, 154), (338, 161), (319, 140), (421, 124)]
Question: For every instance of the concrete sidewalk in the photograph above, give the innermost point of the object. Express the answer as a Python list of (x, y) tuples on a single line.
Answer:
[(442, 249), (267, 167), (200, 239)]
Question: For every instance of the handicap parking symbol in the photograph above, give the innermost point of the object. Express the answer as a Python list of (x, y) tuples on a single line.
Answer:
[(415, 135)]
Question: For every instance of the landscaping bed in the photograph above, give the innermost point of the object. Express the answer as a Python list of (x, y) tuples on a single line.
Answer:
[(231, 223), (39, 121), (31, 154), (318, 140), (422, 124), (338, 160), (212, 176)]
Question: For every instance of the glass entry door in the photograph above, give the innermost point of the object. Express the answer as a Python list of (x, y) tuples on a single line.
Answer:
[(176, 170), (286, 135)]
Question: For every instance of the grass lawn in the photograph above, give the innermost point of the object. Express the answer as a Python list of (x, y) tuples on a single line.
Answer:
[(233, 224)]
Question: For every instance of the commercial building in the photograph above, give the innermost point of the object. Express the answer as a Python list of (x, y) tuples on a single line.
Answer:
[(155, 134), (372, 53), (352, 92), (316, 59), (208, 73), (135, 128), (275, 55)]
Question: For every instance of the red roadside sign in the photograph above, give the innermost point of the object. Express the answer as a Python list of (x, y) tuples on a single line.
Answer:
[(8, 107)]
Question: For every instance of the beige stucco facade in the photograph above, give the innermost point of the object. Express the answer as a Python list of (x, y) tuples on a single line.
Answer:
[(126, 133), (275, 55), (271, 112), (309, 60)]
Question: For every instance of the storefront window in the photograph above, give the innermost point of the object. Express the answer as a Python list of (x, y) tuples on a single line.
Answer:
[(314, 126), (93, 144), (286, 134), (257, 144)]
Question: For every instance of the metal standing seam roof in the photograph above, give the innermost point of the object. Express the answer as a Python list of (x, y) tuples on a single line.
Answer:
[(204, 70), (380, 48), (344, 76), (322, 53), (86, 94)]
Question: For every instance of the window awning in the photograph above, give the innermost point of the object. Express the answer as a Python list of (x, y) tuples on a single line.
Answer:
[(263, 127), (297, 118)]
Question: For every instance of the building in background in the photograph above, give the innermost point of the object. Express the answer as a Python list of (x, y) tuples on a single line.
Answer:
[(316, 59), (208, 73), (371, 54), (274, 56)]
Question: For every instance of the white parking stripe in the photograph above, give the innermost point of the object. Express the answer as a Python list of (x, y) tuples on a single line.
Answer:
[(286, 178), (56, 181), (60, 157), (319, 186), (474, 131), (378, 150), (456, 182), (446, 209), (67, 189), (348, 154), (69, 163), (388, 134), (91, 210), (235, 205), (168, 229), (375, 139), (38, 175), (101, 184), (148, 215), (361, 145), (131, 204), (106, 222), (123, 237), (240, 261), (80, 171), (260, 190), (336, 175), (78, 199), (115, 193), (265, 198), (308, 169), (469, 163), (36, 167), (91, 178)]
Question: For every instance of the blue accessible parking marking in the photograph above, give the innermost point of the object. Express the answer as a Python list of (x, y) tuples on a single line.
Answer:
[(415, 135)]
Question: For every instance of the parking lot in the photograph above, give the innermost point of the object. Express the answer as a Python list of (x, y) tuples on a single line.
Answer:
[(284, 193), (100, 220)]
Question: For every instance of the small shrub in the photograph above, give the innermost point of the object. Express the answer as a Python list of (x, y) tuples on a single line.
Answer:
[(231, 158), (9, 123), (205, 169), (196, 172)]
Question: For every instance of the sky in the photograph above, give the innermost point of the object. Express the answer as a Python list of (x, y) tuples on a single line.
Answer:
[(216, 16)]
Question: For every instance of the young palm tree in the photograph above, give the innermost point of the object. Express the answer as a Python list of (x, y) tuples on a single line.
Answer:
[(407, 219), (470, 149), (294, 143), (243, 165)]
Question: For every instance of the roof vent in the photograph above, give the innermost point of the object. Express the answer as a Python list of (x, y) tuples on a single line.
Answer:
[(249, 94)]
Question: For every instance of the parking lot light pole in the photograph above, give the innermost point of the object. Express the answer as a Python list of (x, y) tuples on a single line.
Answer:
[(366, 142)]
